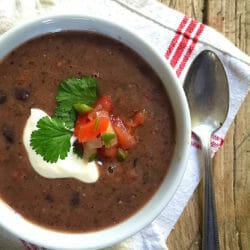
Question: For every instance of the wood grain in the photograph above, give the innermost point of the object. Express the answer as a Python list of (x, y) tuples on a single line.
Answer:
[(232, 162)]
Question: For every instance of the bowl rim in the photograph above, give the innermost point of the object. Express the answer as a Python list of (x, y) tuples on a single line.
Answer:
[(36, 237)]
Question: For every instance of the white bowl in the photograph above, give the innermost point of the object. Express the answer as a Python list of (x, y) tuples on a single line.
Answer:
[(22, 228)]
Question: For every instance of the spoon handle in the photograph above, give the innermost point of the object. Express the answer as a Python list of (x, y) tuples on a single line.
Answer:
[(210, 240)]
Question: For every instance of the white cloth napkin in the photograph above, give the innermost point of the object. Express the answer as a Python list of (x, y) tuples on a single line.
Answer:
[(177, 37)]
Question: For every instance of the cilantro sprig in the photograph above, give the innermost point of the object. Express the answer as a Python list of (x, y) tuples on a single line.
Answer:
[(52, 139)]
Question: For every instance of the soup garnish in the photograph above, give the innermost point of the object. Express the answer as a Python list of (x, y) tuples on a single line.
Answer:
[(102, 133)]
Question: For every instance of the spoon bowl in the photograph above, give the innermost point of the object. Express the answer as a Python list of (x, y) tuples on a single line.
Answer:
[(207, 92)]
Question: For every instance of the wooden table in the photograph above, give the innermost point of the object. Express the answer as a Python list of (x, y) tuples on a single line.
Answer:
[(232, 162)]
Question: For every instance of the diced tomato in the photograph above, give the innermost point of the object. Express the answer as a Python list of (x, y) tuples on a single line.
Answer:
[(82, 119), (126, 140), (104, 103), (90, 130), (109, 153), (102, 114), (137, 119)]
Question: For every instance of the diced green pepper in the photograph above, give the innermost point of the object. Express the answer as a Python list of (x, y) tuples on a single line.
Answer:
[(107, 138), (121, 154), (82, 108)]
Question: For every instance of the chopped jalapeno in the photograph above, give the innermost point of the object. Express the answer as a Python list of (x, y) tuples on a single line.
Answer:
[(107, 138), (82, 108), (121, 154), (97, 120)]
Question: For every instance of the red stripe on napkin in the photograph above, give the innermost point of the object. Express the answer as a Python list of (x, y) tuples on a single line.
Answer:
[(29, 246), (34, 247), (180, 49), (25, 244), (216, 142), (190, 50), (176, 37), (218, 138), (196, 144)]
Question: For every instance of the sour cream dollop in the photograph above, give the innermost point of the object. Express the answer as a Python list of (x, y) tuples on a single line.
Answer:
[(71, 167)]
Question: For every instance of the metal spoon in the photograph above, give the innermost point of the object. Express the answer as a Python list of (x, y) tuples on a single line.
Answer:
[(207, 92)]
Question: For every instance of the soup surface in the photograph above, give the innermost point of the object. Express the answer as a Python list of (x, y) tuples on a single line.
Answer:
[(29, 78)]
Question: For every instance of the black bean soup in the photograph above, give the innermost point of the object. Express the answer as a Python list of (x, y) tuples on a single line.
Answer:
[(29, 78)]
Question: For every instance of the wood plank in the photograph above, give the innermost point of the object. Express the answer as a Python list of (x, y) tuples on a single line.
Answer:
[(241, 179), (231, 182), (232, 162), (192, 8), (186, 233)]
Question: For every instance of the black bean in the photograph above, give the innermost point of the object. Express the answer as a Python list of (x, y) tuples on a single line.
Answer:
[(22, 94), (3, 97), (111, 169), (49, 198), (75, 199), (8, 134), (145, 178), (135, 162)]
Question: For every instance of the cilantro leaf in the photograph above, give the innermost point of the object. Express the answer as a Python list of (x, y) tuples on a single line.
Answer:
[(73, 91), (51, 140), (66, 115)]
